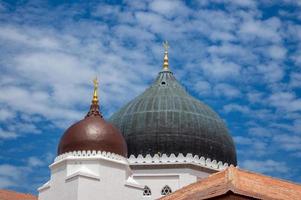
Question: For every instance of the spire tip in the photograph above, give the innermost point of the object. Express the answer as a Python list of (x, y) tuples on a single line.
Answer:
[(165, 60), (94, 108), (95, 95)]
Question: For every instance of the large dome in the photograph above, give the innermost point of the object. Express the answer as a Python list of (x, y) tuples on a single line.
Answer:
[(166, 119)]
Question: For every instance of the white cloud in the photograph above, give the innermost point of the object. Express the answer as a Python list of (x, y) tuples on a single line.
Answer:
[(236, 108), (4, 134), (6, 182), (295, 80), (226, 90), (35, 102), (169, 8), (242, 140), (265, 30), (259, 146), (222, 36), (64, 68), (231, 50), (136, 4), (35, 162), (23, 127), (33, 38), (10, 175), (288, 142), (249, 112), (261, 132), (154, 22), (255, 96), (6, 114), (296, 57), (52, 81), (286, 101), (244, 3), (126, 32), (220, 69), (202, 87), (271, 72), (104, 10), (17, 129), (265, 166), (277, 52)]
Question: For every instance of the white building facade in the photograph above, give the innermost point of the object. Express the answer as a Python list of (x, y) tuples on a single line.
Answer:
[(90, 175), (96, 175)]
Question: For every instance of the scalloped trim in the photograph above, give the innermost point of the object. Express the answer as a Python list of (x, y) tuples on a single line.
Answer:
[(180, 159), (148, 159), (90, 154)]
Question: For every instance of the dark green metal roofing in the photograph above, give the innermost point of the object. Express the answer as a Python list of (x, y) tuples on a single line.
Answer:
[(166, 119)]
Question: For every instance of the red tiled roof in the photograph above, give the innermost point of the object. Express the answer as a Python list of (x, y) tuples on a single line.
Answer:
[(11, 195), (239, 182)]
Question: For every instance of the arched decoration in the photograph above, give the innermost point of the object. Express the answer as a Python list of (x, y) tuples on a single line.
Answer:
[(166, 190), (147, 191)]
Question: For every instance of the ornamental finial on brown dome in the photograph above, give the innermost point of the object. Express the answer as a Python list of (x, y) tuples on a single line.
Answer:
[(94, 108)]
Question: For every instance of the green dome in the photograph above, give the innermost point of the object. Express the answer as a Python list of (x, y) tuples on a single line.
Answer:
[(166, 119)]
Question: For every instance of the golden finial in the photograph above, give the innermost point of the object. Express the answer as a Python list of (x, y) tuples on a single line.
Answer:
[(166, 46), (165, 60), (94, 108), (95, 96)]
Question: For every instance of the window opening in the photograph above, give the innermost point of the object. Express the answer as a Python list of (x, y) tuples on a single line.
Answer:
[(166, 190), (147, 191)]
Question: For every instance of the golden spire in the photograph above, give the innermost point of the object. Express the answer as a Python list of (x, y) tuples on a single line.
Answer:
[(94, 108), (95, 95), (165, 60)]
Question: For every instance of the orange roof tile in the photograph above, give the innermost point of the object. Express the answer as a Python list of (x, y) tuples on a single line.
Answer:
[(240, 182), (11, 195)]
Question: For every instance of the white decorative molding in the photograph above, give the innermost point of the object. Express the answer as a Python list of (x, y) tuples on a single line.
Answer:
[(133, 183), (180, 159), (87, 155), (44, 187), (82, 174), (85, 172), (157, 175)]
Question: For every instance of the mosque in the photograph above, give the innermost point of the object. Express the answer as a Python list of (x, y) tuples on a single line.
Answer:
[(163, 144)]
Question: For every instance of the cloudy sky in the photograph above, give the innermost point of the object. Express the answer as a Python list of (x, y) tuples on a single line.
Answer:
[(241, 57)]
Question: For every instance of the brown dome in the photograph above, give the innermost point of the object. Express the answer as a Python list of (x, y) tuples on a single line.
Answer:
[(93, 133)]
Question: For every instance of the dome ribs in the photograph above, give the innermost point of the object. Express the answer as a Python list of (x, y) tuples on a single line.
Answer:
[(170, 121)]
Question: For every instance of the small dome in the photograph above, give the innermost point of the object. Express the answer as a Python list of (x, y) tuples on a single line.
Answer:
[(93, 133)]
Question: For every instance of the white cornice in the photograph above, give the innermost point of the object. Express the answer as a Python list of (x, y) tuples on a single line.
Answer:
[(89, 155), (141, 160), (177, 160)]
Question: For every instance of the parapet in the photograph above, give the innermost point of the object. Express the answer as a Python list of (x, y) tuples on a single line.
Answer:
[(90, 155), (179, 159)]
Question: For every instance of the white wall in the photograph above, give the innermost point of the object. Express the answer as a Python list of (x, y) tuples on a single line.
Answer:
[(175, 178), (106, 176), (176, 171), (93, 177)]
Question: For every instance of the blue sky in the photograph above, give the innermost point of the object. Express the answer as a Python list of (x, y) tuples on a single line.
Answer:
[(242, 58)]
